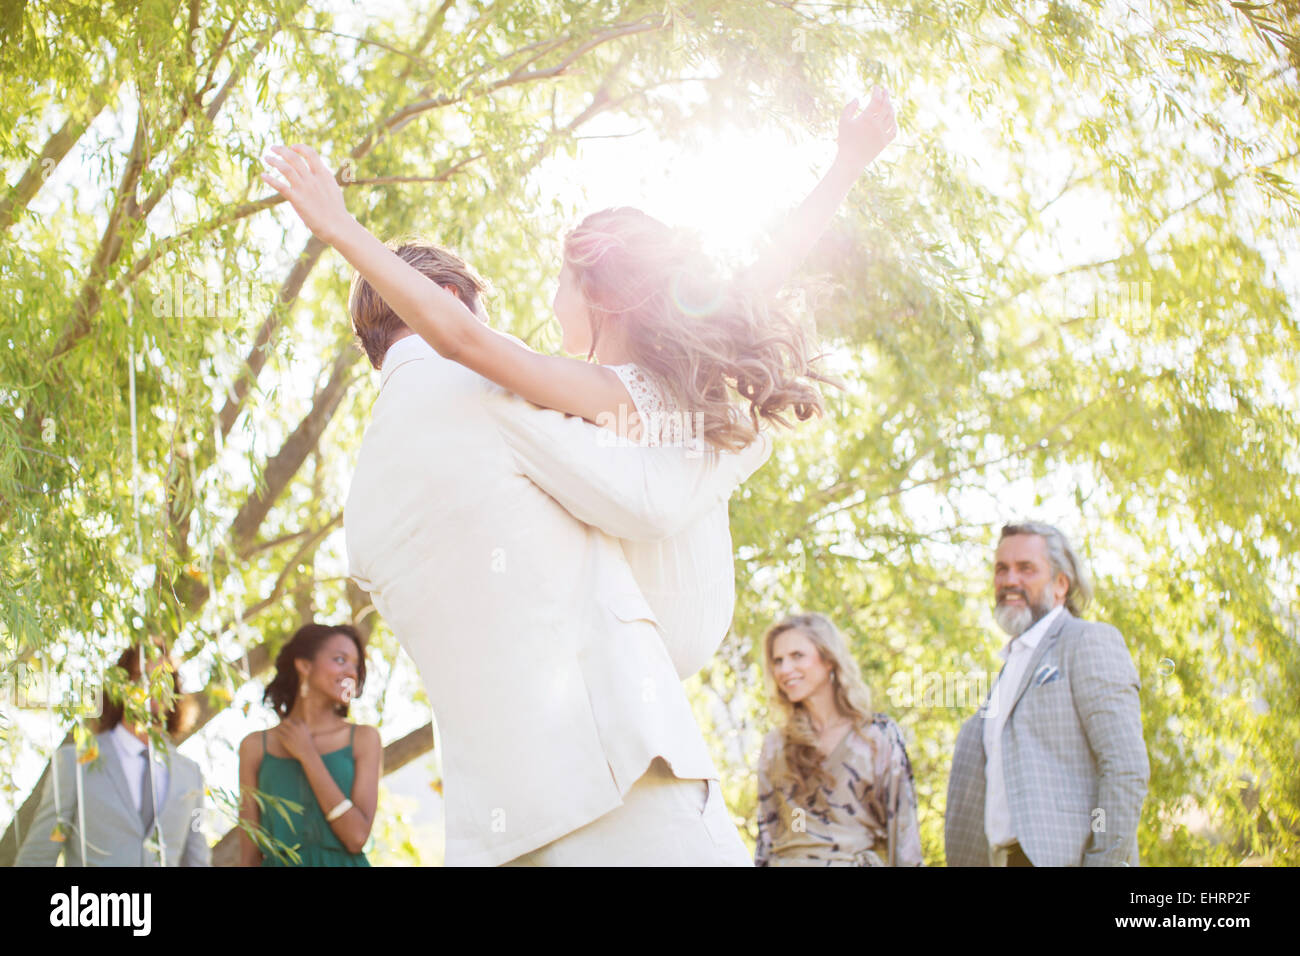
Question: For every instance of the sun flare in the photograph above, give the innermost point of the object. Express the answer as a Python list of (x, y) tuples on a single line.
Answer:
[(731, 187)]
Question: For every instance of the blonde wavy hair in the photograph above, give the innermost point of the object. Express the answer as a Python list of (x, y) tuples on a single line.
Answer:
[(802, 763), (698, 333)]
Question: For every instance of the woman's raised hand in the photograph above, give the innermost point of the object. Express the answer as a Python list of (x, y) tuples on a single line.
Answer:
[(863, 134), (310, 188)]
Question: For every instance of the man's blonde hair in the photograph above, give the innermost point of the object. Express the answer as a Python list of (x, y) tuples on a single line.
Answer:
[(377, 325)]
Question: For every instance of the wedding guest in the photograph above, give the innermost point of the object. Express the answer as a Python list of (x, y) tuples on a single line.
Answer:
[(141, 802), (314, 757), (834, 782), (1053, 769)]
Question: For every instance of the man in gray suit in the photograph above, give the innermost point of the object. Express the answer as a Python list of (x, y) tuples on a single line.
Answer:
[(1052, 770), (141, 807)]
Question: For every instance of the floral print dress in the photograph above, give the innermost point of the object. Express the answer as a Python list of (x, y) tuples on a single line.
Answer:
[(868, 817)]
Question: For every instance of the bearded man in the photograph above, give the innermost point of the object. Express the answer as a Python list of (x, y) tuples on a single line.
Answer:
[(1053, 769)]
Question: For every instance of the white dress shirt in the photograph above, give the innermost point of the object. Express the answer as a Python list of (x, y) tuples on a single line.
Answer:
[(1016, 654), (132, 753)]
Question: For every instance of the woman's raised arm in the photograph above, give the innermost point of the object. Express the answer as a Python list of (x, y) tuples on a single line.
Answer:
[(862, 137), (435, 314)]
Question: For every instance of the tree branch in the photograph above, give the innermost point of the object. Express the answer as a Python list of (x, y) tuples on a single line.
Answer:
[(52, 153), (111, 241), (281, 468), (289, 290)]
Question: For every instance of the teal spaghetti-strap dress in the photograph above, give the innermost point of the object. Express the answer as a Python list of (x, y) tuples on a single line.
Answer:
[(309, 834)]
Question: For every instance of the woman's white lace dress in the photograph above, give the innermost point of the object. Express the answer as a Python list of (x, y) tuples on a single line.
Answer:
[(688, 579)]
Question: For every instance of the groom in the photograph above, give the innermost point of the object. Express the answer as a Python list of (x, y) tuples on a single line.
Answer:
[(481, 525)]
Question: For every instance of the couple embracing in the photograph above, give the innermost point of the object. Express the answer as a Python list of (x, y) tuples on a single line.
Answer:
[(554, 587)]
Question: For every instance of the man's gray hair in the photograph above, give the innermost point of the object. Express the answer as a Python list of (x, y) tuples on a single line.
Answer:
[(1063, 560)]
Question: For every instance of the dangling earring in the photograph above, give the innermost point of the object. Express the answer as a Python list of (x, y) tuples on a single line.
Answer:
[(595, 325), (302, 689)]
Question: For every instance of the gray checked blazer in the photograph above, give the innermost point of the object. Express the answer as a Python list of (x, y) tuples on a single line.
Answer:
[(1073, 756), (115, 834)]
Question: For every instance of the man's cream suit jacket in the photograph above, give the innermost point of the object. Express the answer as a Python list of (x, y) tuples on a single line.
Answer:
[(550, 685)]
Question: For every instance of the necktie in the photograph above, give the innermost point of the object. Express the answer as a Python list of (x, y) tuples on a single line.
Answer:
[(146, 794)]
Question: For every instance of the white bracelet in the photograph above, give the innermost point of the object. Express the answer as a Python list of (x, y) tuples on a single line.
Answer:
[(338, 811)]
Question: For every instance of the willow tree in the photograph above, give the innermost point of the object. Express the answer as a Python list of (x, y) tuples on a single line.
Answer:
[(165, 474), (182, 400)]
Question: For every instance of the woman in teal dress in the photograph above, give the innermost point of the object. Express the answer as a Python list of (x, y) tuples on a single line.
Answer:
[(314, 757)]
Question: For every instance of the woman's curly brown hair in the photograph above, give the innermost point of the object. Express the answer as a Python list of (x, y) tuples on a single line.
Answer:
[(700, 334)]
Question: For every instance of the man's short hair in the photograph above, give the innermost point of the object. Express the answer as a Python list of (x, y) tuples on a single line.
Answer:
[(376, 325), (178, 719), (1062, 558)]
